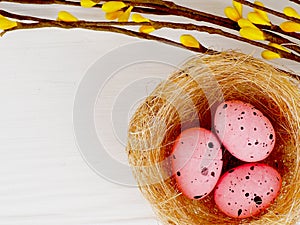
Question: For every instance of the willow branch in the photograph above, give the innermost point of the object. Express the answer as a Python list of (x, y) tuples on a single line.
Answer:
[(271, 37), (217, 31), (101, 26), (277, 29), (110, 26), (158, 25), (106, 26), (274, 38), (268, 10), (167, 8), (163, 7), (224, 22)]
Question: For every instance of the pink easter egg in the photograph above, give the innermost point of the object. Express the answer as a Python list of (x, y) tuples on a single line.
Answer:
[(247, 190), (244, 131), (196, 162)]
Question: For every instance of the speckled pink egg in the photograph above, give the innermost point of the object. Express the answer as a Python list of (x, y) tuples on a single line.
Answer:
[(247, 190), (244, 131), (196, 162)]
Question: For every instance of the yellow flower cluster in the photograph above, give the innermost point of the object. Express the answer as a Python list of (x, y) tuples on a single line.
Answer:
[(249, 30), (290, 26), (118, 10)]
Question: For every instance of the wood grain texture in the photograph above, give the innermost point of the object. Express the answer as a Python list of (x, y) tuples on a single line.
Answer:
[(43, 178)]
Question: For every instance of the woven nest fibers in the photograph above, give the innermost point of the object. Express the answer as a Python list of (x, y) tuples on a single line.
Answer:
[(187, 99)]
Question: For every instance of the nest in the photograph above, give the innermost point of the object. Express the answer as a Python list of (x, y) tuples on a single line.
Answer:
[(187, 99)]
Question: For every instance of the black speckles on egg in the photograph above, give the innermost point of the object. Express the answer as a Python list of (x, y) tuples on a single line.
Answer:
[(198, 196), (174, 157), (244, 128), (204, 171), (210, 145), (240, 212), (230, 171), (192, 168), (250, 196), (212, 174), (225, 106), (182, 142), (271, 136), (257, 200)]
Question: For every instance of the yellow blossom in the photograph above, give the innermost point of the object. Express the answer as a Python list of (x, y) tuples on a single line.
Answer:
[(256, 18), (289, 11), (139, 18), (113, 15), (252, 33), (267, 54), (66, 17), (6, 24), (290, 26), (125, 16), (88, 3), (234, 13), (259, 16), (245, 23), (262, 13), (113, 6), (239, 7), (146, 29), (189, 41)]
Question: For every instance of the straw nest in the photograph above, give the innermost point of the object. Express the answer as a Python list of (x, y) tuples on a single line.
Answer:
[(187, 99)]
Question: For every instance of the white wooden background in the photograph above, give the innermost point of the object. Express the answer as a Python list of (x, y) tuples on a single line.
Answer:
[(43, 178)]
